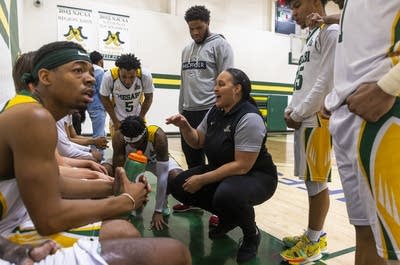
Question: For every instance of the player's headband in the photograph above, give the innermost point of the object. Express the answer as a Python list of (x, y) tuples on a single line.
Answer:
[(55, 59), (131, 140)]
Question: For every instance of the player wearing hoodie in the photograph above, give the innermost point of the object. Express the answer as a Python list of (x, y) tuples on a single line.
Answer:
[(202, 60)]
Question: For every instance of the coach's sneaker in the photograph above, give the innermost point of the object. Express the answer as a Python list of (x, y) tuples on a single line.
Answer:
[(249, 247), (303, 252), (213, 220), (181, 208), (219, 231), (290, 241)]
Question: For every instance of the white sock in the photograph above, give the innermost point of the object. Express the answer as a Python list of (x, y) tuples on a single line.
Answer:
[(313, 235)]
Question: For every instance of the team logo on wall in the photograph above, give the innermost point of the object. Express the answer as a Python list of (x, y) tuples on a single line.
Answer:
[(113, 39), (75, 33), (77, 25)]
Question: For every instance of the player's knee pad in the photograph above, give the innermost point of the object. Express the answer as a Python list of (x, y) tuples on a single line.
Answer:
[(315, 187)]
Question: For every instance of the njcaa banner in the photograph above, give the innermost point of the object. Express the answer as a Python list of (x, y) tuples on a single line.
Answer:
[(77, 24), (113, 35)]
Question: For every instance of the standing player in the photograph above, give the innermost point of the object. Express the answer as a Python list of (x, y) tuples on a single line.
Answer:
[(312, 146), (202, 61), (364, 125), (126, 84)]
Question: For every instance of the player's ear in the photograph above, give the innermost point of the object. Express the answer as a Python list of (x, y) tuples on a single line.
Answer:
[(44, 76)]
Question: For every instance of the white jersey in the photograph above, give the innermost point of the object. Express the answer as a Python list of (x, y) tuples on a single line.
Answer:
[(13, 211), (65, 146), (314, 77), (355, 65), (127, 100)]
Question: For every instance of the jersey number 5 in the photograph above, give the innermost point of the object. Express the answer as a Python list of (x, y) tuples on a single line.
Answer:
[(128, 106), (299, 78)]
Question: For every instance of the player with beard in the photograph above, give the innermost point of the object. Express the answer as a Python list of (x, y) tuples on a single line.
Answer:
[(202, 61)]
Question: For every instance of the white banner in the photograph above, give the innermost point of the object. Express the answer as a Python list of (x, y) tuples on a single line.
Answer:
[(113, 35), (77, 24)]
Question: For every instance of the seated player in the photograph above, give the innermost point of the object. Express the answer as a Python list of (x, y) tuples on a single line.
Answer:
[(135, 135), (62, 75)]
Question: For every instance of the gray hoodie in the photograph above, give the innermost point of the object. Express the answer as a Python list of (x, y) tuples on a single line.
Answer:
[(201, 64)]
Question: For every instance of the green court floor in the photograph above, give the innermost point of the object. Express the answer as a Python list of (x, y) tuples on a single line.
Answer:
[(191, 228)]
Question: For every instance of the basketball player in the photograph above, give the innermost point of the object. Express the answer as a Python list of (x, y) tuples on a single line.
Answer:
[(63, 79), (134, 135), (123, 87), (312, 146), (364, 125)]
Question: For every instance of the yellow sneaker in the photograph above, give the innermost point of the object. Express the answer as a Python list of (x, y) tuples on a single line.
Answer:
[(323, 243), (304, 251), (291, 241)]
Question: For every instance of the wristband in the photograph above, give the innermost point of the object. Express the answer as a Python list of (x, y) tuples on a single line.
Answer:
[(130, 198), (390, 82)]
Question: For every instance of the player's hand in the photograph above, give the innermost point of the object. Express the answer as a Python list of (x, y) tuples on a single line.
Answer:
[(137, 190), (143, 179), (96, 167), (370, 102), (324, 113), (27, 255), (314, 20), (97, 155), (102, 176), (290, 122), (158, 222), (100, 142), (85, 173), (40, 252)]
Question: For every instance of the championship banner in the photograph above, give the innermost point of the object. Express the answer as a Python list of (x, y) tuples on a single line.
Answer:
[(113, 35), (77, 25)]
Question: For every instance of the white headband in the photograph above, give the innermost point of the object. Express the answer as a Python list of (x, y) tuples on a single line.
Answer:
[(134, 139)]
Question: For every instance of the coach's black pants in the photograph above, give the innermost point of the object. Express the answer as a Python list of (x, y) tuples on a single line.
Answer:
[(232, 199)]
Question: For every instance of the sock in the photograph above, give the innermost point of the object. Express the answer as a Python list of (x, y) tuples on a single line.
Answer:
[(313, 235)]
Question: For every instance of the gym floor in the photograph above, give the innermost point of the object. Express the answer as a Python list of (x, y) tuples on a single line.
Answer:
[(284, 214)]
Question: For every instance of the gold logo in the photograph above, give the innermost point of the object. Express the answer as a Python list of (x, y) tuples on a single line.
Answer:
[(113, 38), (75, 33)]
